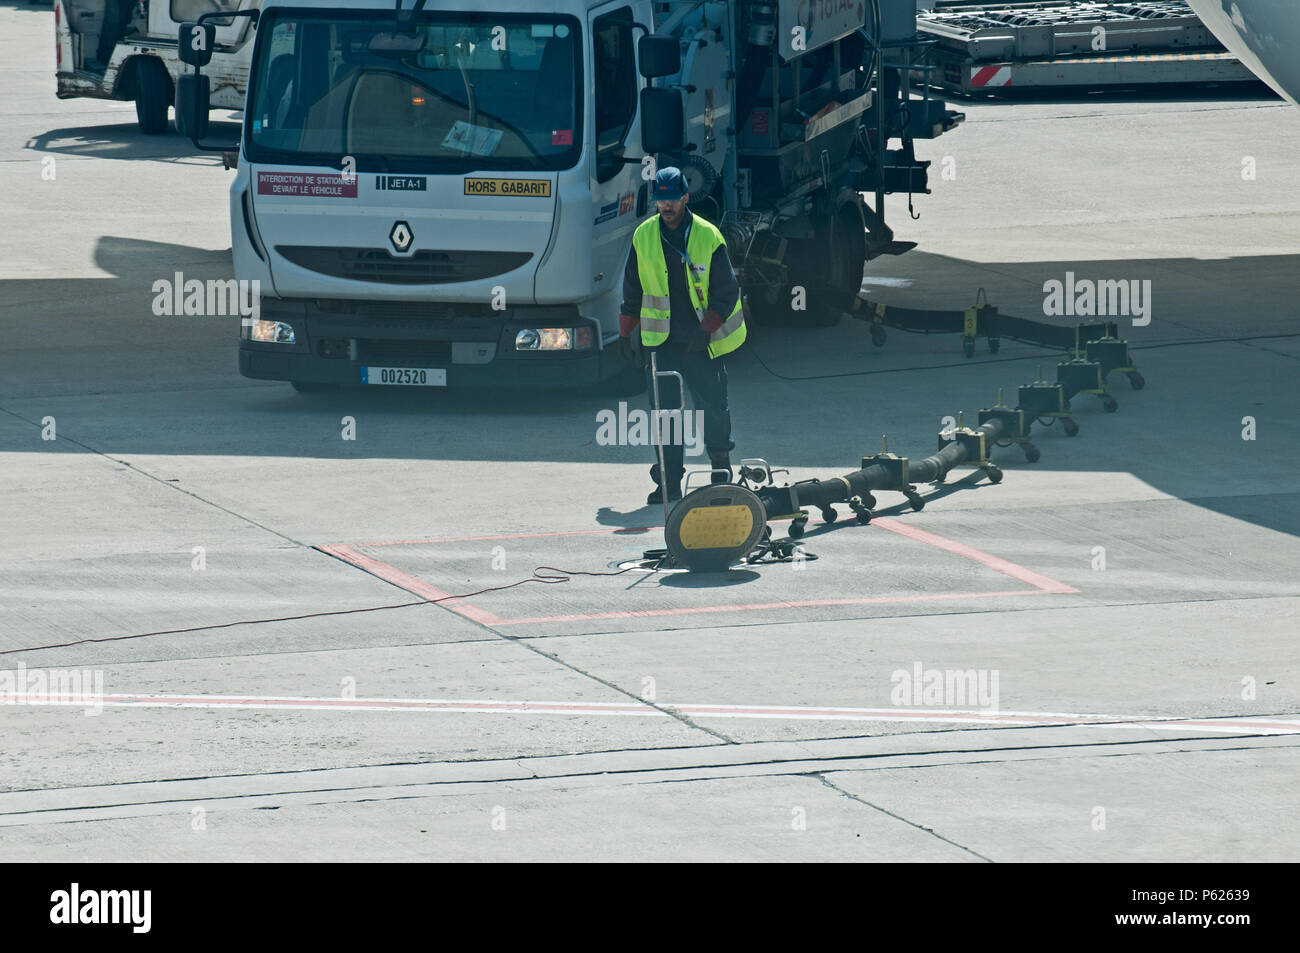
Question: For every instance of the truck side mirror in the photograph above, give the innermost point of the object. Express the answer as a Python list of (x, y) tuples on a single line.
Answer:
[(663, 120), (193, 95), (659, 56), (194, 43)]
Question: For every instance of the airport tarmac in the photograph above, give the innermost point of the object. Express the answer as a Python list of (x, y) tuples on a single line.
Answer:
[(215, 556)]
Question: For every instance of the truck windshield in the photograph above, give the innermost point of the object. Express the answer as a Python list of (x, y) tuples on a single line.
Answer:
[(454, 92)]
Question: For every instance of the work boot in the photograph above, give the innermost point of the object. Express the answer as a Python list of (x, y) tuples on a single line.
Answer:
[(720, 461), (674, 487)]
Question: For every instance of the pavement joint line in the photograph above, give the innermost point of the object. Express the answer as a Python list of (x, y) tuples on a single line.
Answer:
[(667, 630), (476, 616), (431, 785), (614, 632), (898, 817), (172, 486), (524, 761)]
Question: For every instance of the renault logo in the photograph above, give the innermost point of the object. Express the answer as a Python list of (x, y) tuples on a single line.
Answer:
[(401, 236)]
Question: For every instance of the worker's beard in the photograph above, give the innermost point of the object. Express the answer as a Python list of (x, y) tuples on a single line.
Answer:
[(674, 217)]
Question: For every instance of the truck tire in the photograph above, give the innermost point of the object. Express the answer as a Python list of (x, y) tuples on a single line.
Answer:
[(153, 94), (823, 273), (768, 306), (829, 267), (768, 289)]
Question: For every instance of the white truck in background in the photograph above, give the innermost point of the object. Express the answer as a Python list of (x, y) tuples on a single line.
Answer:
[(126, 49), (445, 194)]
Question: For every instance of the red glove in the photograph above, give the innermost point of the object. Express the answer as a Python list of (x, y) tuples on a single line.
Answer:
[(712, 321)]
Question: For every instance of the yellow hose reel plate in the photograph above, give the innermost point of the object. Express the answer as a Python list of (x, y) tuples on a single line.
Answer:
[(713, 527)]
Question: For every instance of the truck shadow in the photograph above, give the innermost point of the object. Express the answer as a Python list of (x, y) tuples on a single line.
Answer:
[(123, 140), (1221, 347)]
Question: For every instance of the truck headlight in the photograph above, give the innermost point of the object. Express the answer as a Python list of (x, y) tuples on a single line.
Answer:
[(270, 332), (553, 339)]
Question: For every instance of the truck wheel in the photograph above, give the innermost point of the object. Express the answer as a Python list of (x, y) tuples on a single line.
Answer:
[(829, 267), (765, 307), (153, 94)]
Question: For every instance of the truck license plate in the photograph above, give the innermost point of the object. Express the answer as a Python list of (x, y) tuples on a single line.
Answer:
[(409, 376)]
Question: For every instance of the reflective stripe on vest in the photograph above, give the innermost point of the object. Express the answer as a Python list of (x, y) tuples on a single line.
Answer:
[(652, 267)]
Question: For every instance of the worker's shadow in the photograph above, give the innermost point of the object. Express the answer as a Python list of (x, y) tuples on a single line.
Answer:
[(643, 519)]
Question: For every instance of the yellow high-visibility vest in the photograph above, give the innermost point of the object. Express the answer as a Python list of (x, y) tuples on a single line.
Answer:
[(652, 266)]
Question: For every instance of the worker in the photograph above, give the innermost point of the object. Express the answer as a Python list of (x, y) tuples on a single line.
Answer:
[(680, 288)]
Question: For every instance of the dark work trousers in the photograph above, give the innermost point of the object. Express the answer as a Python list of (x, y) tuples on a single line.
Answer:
[(706, 378)]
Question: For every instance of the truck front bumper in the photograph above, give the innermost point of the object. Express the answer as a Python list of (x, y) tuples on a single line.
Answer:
[(475, 347)]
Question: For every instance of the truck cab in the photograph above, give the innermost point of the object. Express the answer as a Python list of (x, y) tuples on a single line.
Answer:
[(444, 204)]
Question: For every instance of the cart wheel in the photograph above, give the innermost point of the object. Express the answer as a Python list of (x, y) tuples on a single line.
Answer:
[(878, 336), (1109, 404), (869, 501), (918, 504), (968, 347), (1071, 428), (995, 345), (1136, 380), (797, 527), (1032, 453), (829, 515), (994, 474)]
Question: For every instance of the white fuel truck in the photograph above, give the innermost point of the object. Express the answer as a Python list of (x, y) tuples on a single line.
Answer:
[(444, 194)]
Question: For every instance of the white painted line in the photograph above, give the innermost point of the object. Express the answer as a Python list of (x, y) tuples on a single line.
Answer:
[(1233, 725)]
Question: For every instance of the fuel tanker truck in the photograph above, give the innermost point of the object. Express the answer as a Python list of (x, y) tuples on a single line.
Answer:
[(444, 194)]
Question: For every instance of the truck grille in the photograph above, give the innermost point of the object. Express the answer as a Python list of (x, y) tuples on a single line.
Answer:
[(414, 314), (426, 267), (388, 352)]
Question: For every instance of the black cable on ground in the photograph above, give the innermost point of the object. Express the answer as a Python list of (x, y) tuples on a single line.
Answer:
[(564, 576)]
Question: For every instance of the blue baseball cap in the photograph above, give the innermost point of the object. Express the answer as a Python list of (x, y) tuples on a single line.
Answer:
[(669, 184)]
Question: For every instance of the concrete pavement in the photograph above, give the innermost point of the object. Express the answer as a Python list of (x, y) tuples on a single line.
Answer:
[(1143, 641)]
